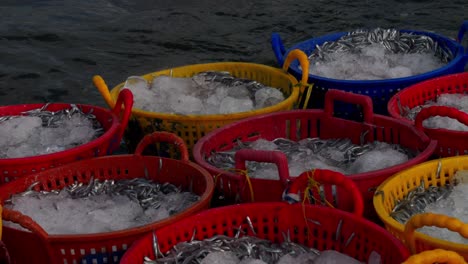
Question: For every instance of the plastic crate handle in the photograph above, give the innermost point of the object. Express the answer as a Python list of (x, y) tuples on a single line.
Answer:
[(333, 95), (162, 136), (299, 55), (126, 99), (436, 256), (430, 219), (102, 87), (278, 48), (328, 177), (437, 110), (461, 34), (26, 222), (462, 31), (276, 157)]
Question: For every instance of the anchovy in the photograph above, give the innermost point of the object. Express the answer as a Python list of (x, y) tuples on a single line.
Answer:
[(146, 192), (392, 39), (245, 247), (339, 153)]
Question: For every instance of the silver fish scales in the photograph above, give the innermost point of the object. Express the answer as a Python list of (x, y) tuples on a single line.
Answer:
[(210, 79), (392, 39), (340, 153), (147, 193), (416, 200), (194, 251)]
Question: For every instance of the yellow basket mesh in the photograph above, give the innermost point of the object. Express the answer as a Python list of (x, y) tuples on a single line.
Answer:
[(192, 127), (399, 185)]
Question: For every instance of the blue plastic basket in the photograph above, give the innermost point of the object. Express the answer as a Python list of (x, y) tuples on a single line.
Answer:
[(379, 90)]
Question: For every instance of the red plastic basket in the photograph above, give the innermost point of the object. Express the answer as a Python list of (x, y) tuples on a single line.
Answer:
[(114, 123), (102, 247), (357, 237), (300, 124), (450, 143)]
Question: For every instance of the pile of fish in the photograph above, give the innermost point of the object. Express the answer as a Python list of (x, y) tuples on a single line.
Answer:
[(340, 155), (248, 250), (378, 54), (448, 199), (101, 206), (210, 92), (417, 200), (40, 131)]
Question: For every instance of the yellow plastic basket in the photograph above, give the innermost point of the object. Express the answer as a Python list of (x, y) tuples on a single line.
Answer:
[(192, 127), (433, 173)]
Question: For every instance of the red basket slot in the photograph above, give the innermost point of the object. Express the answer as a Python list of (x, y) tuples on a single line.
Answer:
[(300, 124), (356, 237), (113, 122), (110, 246)]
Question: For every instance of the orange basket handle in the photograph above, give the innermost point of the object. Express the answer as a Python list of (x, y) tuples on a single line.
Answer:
[(276, 157), (299, 184), (430, 219), (333, 95), (162, 136), (25, 221), (125, 98), (299, 55), (437, 110), (101, 85), (436, 256)]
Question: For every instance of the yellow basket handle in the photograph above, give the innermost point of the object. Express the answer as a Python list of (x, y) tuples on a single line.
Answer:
[(103, 89), (430, 219), (299, 55), (436, 256)]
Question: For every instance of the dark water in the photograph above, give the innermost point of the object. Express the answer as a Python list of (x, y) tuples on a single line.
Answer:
[(49, 50)]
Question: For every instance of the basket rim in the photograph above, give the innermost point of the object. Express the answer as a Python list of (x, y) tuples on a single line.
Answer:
[(198, 149), (412, 172), (96, 237), (107, 136), (289, 101), (422, 76)]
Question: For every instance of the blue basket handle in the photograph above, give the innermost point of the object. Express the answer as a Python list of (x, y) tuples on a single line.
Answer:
[(462, 31), (278, 48), (461, 34)]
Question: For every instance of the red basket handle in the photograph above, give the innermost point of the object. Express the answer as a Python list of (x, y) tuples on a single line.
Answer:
[(333, 95), (437, 110), (163, 137), (276, 157), (125, 98), (299, 184), (25, 221)]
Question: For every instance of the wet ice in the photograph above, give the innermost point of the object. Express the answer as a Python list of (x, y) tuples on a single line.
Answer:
[(24, 136), (204, 93), (61, 214)]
